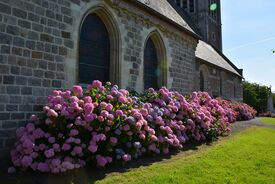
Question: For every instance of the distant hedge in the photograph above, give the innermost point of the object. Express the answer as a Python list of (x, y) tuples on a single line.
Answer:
[(256, 95)]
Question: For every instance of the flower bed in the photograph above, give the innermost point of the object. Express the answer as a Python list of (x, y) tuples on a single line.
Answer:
[(105, 125)]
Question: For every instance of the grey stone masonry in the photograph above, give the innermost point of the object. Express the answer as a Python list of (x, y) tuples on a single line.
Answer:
[(39, 52), (33, 45)]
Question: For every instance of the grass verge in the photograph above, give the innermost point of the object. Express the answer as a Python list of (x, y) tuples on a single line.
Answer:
[(248, 157), (267, 120)]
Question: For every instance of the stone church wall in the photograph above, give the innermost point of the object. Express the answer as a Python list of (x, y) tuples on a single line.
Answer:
[(39, 53), (231, 84)]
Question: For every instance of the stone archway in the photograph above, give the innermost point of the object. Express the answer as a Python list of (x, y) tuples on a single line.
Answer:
[(106, 15)]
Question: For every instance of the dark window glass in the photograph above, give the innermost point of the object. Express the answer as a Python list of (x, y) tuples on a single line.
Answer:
[(184, 4), (201, 81), (94, 51), (178, 2), (191, 6), (150, 65)]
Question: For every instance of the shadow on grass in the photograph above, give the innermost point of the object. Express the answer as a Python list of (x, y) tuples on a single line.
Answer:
[(91, 175)]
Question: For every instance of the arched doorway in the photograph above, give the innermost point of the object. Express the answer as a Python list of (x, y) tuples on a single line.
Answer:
[(94, 51)]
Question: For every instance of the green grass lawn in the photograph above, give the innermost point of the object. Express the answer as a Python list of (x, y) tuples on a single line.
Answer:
[(270, 121), (248, 157)]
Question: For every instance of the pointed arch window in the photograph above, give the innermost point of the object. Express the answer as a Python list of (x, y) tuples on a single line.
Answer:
[(94, 51), (150, 65)]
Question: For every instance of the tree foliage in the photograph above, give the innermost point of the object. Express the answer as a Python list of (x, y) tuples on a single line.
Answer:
[(256, 95)]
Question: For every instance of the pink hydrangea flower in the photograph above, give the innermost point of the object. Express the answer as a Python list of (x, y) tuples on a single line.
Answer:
[(113, 140), (77, 90), (52, 113)]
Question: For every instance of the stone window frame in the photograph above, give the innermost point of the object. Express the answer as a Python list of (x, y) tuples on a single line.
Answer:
[(161, 49), (104, 12)]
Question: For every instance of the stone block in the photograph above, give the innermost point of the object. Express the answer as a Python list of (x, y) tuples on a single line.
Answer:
[(46, 38), (18, 41), (26, 71), (17, 51), (19, 13), (63, 51), (4, 69), (32, 35), (38, 73), (9, 79), (15, 99), (34, 82), (30, 44), (20, 80), (37, 55), (42, 64), (46, 83), (4, 116), (26, 91), (24, 24), (50, 14), (25, 108), (49, 75), (13, 90), (26, 53), (37, 27), (38, 91), (3, 59), (5, 8), (11, 108), (5, 49), (5, 39)]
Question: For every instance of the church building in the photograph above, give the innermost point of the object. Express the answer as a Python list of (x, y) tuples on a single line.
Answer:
[(136, 44)]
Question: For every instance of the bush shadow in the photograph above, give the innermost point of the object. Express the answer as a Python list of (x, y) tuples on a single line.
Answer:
[(91, 174)]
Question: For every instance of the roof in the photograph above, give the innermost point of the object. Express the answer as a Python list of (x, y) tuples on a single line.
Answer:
[(163, 8), (207, 53)]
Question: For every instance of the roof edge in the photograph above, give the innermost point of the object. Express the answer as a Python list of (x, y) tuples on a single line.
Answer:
[(202, 60), (240, 71), (159, 15)]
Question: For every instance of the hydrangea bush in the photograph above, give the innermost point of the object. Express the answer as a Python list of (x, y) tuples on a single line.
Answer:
[(105, 124)]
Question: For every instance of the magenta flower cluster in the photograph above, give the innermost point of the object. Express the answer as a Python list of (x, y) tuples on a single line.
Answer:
[(238, 110), (105, 124)]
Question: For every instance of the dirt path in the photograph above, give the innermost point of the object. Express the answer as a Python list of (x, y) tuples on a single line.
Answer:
[(242, 125)]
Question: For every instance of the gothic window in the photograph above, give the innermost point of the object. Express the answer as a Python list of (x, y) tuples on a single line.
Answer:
[(94, 51), (178, 3), (150, 65), (201, 81), (184, 4), (191, 6)]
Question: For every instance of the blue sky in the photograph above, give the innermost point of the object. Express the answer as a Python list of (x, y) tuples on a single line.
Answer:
[(249, 37)]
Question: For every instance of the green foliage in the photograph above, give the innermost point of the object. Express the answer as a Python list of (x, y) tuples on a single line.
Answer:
[(256, 95)]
